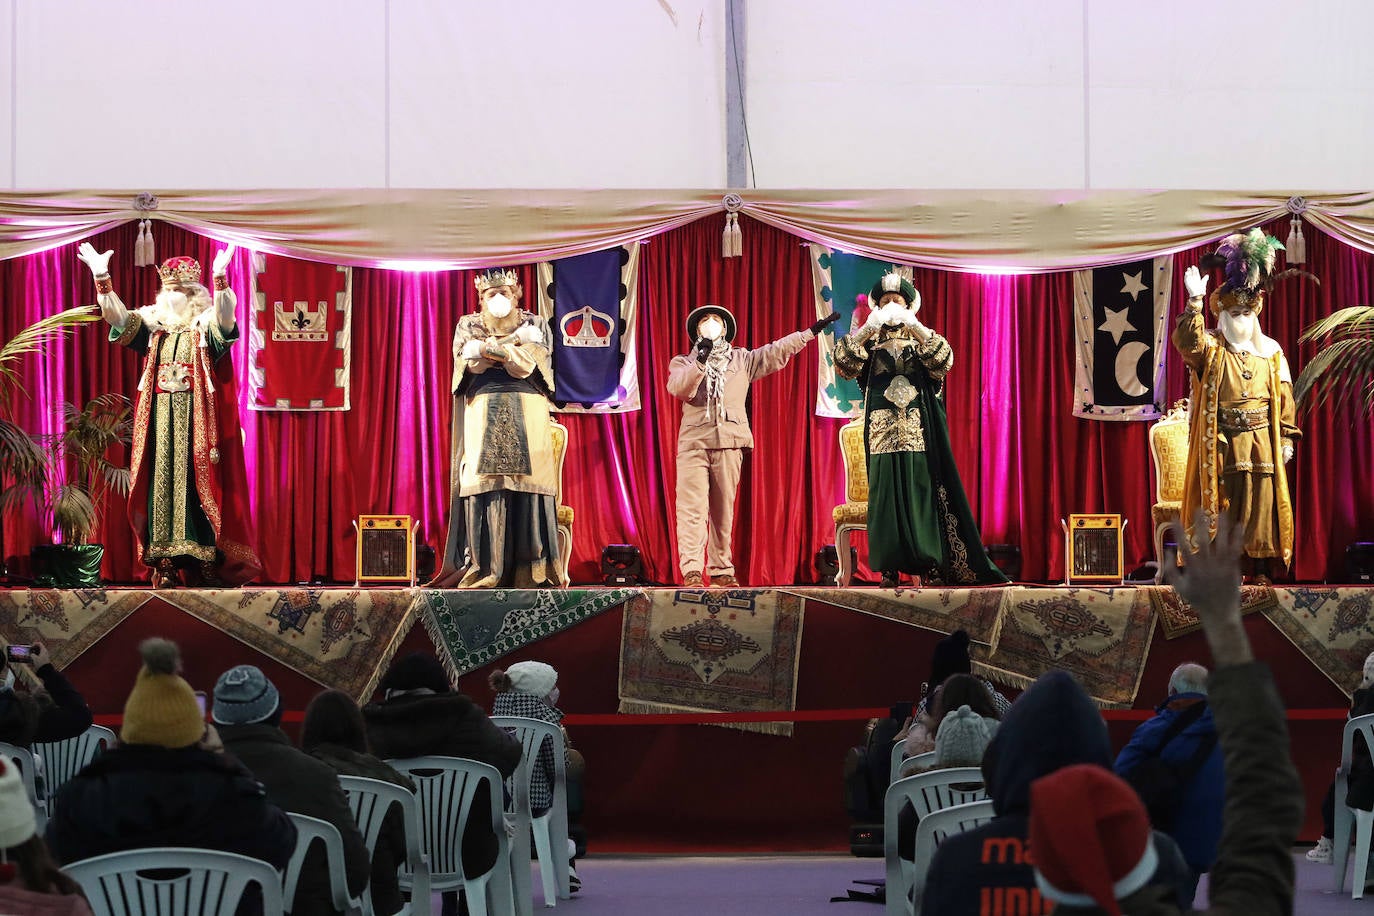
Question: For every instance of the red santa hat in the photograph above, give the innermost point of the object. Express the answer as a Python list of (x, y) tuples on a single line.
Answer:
[(1090, 838)]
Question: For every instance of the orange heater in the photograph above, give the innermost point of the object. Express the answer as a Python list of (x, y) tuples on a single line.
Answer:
[(386, 549), (1092, 549)]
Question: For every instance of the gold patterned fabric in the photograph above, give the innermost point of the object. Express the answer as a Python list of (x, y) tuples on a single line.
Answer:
[(850, 514)]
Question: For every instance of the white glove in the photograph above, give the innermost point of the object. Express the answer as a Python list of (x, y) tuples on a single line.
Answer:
[(472, 349), (528, 333), (1287, 453), (222, 259), (876, 317), (909, 318), (97, 262), (1195, 283)]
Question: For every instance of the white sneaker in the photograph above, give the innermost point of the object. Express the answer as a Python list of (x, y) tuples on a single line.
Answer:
[(1321, 853)]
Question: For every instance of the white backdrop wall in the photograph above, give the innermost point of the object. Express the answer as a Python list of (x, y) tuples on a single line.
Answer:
[(1047, 94)]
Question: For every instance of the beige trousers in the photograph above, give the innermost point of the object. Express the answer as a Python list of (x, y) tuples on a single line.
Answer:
[(707, 483)]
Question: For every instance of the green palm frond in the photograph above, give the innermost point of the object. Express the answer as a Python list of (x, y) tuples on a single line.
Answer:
[(74, 513), (1340, 371), (33, 339), (1346, 322), (23, 468)]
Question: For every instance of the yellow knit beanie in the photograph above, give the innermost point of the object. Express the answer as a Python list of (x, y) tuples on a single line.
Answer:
[(162, 708)]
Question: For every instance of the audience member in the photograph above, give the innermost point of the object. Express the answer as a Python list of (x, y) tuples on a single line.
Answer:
[(530, 689), (30, 882), (54, 713), (162, 787), (333, 733), (1175, 754), (418, 716), (949, 658), (247, 709), (1052, 725), (1359, 792), (1089, 831)]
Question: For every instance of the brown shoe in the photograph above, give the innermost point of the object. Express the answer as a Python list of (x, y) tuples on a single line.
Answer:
[(724, 582), (692, 580)]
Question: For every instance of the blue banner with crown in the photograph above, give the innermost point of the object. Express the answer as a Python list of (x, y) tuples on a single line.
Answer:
[(590, 302)]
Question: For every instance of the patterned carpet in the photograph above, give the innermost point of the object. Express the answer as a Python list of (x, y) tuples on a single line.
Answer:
[(1101, 636), (941, 610), (1178, 618), (472, 628), (1333, 627), (712, 650), (67, 621)]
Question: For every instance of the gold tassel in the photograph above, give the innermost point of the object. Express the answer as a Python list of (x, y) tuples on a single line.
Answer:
[(149, 252), (736, 237), (1296, 247), (139, 243), (726, 245)]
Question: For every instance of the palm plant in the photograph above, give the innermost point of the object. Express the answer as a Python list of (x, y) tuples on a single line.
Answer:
[(87, 434), (1344, 367)]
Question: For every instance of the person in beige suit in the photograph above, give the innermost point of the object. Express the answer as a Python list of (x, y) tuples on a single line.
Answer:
[(713, 380)]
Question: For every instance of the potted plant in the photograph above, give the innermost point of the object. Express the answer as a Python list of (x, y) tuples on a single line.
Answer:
[(1344, 366), (65, 475)]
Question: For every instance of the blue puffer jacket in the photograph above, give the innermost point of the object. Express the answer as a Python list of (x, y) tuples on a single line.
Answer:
[(1197, 817)]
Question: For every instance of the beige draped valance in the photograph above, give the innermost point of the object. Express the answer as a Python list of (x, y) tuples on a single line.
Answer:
[(1029, 231)]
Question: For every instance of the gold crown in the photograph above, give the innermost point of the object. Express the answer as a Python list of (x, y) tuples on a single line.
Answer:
[(495, 277), (177, 271)]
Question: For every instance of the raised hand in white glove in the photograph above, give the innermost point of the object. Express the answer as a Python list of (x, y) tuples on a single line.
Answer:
[(1287, 453), (1195, 283), (876, 316), (472, 349), (528, 333), (97, 262), (222, 259)]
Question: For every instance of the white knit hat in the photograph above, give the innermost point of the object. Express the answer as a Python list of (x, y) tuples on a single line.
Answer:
[(17, 822), (962, 737), (533, 677)]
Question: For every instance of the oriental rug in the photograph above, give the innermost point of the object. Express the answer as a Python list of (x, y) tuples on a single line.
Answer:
[(1178, 618), (941, 610), (1101, 636), (472, 628), (339, 637), (67, 621), (1333, 627), (712, 650)]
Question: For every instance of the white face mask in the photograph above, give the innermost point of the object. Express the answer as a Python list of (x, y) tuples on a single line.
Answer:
[(1237, 329), (498, 306), (892, 313), (711, 328)]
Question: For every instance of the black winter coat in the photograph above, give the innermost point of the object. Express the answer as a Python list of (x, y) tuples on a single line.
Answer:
[(447, 725), (301, 784), (62, 714), (136, 796), (390, 851)]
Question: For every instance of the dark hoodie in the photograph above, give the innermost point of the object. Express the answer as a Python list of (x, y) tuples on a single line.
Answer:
[(986, 871)]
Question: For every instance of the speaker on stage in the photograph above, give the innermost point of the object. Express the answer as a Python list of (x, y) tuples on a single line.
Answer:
[(828, 563), (386, 549), (1359, 562), (621, 564)]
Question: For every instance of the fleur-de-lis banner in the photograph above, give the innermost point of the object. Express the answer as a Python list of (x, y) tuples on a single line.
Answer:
[(299, 341), (591, 303), (839, 278), (1120, 319)]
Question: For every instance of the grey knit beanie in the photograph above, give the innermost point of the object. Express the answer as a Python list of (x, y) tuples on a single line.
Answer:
[(962, 737)]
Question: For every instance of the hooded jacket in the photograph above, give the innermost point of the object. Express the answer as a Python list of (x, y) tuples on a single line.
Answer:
[(1052, 725)]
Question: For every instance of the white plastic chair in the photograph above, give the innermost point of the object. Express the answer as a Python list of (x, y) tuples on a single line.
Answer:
[(551, 829), (28, 771), (308, 830), (209, 883), (927, 793), (908, 767), (931, 832), (370, 800), (64, 759), (444, 790), (1363, 820)]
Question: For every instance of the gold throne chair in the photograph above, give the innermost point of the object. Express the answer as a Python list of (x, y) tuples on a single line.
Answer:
[(1169, 450), (559, 433), (851, 515)]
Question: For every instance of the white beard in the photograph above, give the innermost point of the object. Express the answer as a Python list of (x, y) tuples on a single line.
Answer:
[(174, 310)]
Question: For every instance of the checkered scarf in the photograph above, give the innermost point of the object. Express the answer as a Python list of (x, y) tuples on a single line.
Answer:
[(514, 703)]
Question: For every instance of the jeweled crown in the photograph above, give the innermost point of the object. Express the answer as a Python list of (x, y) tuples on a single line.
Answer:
[(177, 271), (495, 277)]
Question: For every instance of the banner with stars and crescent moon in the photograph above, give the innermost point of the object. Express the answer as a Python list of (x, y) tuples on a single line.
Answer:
[(1120, 320)]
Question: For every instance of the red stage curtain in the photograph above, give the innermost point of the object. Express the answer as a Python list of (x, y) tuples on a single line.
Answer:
[(1025, 461)]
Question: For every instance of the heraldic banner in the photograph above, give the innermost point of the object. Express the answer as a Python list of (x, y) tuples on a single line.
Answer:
[(592, 305), (298, 347), (840, 279), (1120, 315)]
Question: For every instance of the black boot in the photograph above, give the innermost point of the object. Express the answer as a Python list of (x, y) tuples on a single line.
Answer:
[(890, 579)]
